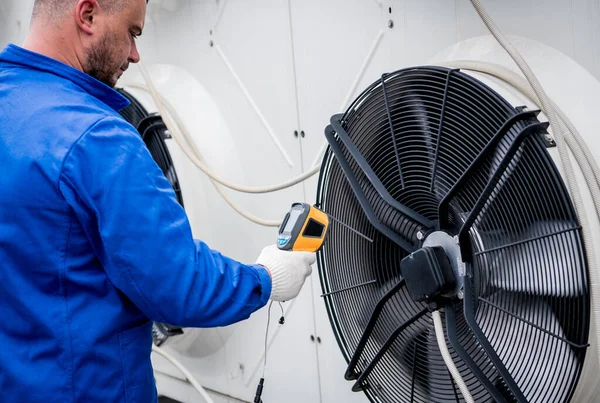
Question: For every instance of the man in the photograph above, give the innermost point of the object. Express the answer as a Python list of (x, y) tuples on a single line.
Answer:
[(93, 244)]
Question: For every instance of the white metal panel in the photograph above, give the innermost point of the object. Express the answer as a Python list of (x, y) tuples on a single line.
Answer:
[(570, 26), (585, 16), (14, 21), (332, 42), (262, 162), (423, 28), (550, 22)]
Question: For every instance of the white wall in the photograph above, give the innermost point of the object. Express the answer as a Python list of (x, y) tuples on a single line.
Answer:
[(14, 21), (301, 61)]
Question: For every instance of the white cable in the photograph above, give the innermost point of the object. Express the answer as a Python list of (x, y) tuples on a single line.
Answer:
[(187, 142), (439, 334), (162, 103), (184, 371), (561, 133)]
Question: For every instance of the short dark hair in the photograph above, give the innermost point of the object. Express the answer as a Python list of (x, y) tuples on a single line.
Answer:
[(56, 7)]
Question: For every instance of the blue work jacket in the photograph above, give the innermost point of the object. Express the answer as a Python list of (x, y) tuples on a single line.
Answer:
[(93, 244)]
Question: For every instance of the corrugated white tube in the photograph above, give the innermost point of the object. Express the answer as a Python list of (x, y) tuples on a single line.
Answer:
[(184, 371), (161, 104), (441, 340), (187, 142), (559, 135)]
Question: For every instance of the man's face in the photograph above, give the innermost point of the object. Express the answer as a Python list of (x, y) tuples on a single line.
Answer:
[(110, 54)]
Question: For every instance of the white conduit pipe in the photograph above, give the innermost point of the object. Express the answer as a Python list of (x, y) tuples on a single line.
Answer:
[(184, 371), (441, 340), (162, 103), (186, 142)]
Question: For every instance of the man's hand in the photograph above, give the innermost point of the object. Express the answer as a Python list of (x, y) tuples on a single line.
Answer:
[(288, 271)]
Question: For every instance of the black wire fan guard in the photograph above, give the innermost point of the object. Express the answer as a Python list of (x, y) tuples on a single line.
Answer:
[(430, 152)]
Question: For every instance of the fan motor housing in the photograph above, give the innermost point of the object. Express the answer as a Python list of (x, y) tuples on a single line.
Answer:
[(428, 274)]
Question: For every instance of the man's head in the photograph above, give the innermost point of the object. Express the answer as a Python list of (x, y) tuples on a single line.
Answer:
[(99, 34)]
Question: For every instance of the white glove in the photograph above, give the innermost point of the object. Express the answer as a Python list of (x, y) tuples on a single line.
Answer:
[(288, 271)]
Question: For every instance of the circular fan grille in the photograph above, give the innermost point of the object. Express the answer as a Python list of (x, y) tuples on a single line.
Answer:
[(433, 151)]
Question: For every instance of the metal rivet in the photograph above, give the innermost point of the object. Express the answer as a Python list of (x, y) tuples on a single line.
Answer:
[(295, 133), (312, 338), (319, 340), (302, 134), (211, 44), (391, 24), (420, 236)]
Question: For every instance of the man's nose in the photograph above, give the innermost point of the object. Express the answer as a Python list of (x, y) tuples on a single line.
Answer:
[(134, 56)]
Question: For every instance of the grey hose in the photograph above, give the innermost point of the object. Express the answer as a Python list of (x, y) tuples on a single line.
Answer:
[(441, 340)]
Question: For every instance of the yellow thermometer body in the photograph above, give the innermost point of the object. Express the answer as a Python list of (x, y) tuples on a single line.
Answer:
[(303, 229)]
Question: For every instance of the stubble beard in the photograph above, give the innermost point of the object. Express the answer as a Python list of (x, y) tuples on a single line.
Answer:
[(101, 61)]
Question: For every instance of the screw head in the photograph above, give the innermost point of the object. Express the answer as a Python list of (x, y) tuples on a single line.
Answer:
[(420, 236), (211, 44), (391, 24)]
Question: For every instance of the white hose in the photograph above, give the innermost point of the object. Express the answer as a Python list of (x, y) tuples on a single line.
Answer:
[(441, 340), (561, 133), (162, 103), (187, 142), (184, 371)]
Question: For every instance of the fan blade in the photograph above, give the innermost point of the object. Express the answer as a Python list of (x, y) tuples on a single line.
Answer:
[(532, 345), (539, 262)]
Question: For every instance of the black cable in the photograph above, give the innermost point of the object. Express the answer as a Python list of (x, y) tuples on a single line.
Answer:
[(259, 388)]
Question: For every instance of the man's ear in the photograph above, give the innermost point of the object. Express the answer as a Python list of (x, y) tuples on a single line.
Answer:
[(86, 12)]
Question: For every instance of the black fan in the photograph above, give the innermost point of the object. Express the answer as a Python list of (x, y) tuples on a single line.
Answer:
[(461, 209), (154, 132)]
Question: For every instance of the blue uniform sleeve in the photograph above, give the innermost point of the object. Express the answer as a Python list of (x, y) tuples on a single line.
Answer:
[(142, 237)]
